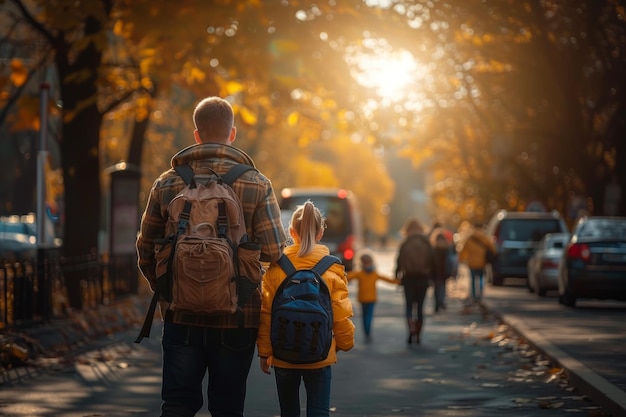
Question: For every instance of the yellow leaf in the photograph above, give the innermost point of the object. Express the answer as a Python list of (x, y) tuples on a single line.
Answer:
[(248, 116), (149, 52), (233, 87), (141, 114), (195, 74), (146, 83), (118, 28), (292, 119), (19, 74)]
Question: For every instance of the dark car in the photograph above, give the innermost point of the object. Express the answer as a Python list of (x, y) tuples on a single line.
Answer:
[(517, 235), (543, 265), (594, 261)]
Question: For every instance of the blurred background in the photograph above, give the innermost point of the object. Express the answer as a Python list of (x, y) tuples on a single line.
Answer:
[(442, 110)]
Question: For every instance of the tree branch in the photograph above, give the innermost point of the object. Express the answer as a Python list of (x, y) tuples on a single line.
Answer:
[(33, 22)]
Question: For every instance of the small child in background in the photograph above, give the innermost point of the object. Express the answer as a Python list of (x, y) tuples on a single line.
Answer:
[(367, 293)]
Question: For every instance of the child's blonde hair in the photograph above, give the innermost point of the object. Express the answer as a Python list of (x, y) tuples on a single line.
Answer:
[(308, 223)]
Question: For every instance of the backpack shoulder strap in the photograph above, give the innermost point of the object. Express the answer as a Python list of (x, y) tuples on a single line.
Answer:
[(285, 264), (186, 173), (325, 263), (236, 172)]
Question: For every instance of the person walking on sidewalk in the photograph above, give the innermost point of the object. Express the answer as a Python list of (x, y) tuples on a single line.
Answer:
[(367, 276), (476, 253), (306, 228), (445, 264), (415, 266), (219, 345)]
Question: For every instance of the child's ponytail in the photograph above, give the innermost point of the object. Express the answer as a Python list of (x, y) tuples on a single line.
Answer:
[(308, 223)]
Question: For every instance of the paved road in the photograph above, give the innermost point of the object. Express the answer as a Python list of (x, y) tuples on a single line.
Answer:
[(588, 341), (468, 365)]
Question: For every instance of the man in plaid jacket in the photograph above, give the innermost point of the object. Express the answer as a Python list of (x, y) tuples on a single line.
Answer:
[(218, 345)]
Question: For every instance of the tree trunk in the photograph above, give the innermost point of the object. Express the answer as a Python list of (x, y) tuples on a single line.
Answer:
[(81, 173), (80, 160)]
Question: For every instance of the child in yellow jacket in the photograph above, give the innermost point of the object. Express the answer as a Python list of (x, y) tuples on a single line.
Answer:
[(306, 229), (367, 295)]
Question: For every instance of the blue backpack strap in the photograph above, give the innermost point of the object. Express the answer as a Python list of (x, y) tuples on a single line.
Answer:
[(235, 172), (325, 263), (285, 264)]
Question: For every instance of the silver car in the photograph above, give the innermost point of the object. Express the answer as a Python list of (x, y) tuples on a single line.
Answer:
[(517, 235), (543, 265)]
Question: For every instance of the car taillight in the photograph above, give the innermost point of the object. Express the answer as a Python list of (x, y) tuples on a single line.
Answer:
[(346, 249), (549, 263), (496, 236), (579, 251)]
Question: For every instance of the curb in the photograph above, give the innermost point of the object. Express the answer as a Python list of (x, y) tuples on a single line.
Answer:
[(595, 386)]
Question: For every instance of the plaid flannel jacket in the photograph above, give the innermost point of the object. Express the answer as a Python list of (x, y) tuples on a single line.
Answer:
[(261, 213)]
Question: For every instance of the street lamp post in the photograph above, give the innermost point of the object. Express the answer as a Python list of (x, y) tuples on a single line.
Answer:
[(43, 288)]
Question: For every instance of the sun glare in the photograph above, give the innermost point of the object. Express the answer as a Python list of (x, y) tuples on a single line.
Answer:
[(389, 73)]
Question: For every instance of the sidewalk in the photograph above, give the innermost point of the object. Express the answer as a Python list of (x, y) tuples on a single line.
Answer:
[(56, 344), (469, 364)]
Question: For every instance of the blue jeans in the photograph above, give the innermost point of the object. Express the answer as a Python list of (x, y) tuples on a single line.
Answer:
[(476, 276), (189, 352), (317, 385), (367, 310)]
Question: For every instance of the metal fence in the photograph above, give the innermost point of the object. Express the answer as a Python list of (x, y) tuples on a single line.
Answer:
[(36, 292)]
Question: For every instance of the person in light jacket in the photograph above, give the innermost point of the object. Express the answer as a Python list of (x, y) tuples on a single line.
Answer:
[(306, 228), (474, 254)]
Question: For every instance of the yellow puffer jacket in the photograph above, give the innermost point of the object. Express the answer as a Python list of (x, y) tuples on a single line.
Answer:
[(367, 284), (335, 278), (475, 248)]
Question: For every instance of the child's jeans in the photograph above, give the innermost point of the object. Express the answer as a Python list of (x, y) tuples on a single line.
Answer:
[(367, 310), (317, 385), (476, 276)]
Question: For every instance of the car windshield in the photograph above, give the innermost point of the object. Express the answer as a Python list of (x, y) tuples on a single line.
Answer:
[(527, 229), (603, 228), (335, 210)]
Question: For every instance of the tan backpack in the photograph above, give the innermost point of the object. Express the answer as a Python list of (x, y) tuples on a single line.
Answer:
[(206, 265)]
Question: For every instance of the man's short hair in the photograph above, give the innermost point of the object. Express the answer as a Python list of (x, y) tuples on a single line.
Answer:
[(214, 119)]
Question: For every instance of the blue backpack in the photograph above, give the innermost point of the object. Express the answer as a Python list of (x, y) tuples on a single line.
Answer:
[(302, 316)]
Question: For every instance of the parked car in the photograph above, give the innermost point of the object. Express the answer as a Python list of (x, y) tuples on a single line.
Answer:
[(594, 262), (543, 265), (18, 241), (517, 235)]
